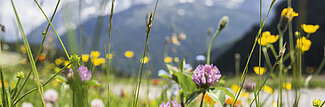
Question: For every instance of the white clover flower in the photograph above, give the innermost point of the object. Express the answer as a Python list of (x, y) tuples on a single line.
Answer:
[(51, 96), (97, 103)]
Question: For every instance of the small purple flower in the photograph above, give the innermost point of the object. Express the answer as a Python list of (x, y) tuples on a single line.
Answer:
[(170, 104), (206, 75), (84, 74)]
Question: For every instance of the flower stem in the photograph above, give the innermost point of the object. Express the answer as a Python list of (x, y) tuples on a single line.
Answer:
[(138, 83), (108, 68), (4, 99), (243, 77), (280, 69), (210, 45), (38, 53), (30, 56), (201, 104), (66, 52), (34, 89)]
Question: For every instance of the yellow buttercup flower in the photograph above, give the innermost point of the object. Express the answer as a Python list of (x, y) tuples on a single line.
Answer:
[(267, 38), (287, 85), (129, 54), (175, 40), (168, 59), (182, 36), (56, 69), (101, 60), (94, 54), (59, 61), (245, 94), (98, 61), (303, 44), (51, 66), (23, 49), (176, 59), (85, 57), (144, 60), (109, 56), (268, 89), (274, 104), (66, 63), (309, 28), (54, 83), (235, 88), (259, 70), (317, 103), (288, 12)]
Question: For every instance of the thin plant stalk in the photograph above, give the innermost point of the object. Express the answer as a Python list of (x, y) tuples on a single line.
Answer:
[(107, 68), (280, 69), (39, 51), (4, 98), (30, 56), (292, 57), (243, 77), (273, 50), (210, 45), (263, 83), (80, 28), (149, 25), (267, 58), (44, 84), (16, 87), (65, 50), (259, 58), (201, 104), (135, 99), (108, 65)]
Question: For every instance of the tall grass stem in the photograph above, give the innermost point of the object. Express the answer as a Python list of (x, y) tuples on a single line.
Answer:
[(30, 56), (243, 77)]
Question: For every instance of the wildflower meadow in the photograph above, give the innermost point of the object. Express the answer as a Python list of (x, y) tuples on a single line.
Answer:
[(71, 66)]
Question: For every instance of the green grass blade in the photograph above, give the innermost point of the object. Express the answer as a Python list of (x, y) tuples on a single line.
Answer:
[(30, 56), (243, 77)]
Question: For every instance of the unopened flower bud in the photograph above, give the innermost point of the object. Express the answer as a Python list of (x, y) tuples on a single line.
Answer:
[(223, 22), (284, 20), (237, 56), (74, 59), (167, 40), (182, 36), (281, 53), (297, 34), (20, 75)]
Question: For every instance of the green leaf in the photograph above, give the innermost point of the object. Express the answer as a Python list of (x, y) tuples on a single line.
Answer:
[(93, 83), (185, 82), (193, 95), (172, 69), (164, 76), (181, 65), (226, 91), (60, 78), (218, 96)]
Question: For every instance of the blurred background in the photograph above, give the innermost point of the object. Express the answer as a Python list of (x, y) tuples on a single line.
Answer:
[(181, 29)]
